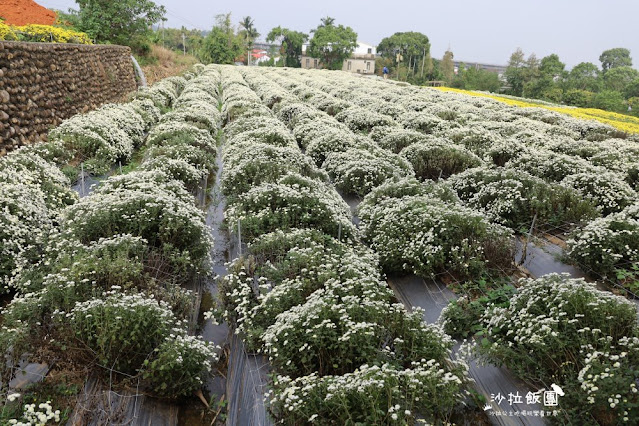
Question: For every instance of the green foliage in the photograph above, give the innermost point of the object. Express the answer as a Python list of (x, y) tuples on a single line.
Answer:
[(292, 42), (124, 22), (405, 44), (578, 97), (584, 76), (462, 317), (171, 38), (609, 100), (613, 58), (477, 79), (618, 78), (222, 45), (332, 44)]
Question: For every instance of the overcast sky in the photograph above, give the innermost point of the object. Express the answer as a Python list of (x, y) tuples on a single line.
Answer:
[(482, 31)]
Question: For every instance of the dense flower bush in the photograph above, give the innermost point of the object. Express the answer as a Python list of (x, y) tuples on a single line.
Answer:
[(180, 367), (434, 161), (606, 189), (293, 201), (121, 331), (399, 188), (25, 222), (363, 120), (248, 164), (554, 329), (606, 244), (550, 165), (358, 171), (179, 133), (371, 394), (176, 229), (425, 236), (513, 198)]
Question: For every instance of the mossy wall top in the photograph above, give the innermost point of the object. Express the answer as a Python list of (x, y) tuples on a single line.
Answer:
[(42, 84)]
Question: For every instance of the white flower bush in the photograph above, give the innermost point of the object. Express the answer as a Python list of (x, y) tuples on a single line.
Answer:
[(293, 201), (607, 190), (248, 164), (181, 133), (25, 223), (175, 228), (371, 394), (422, 235), (607, 244), (22, 167), (358, 171), (363, 120), (37, 415), (396, 139), (553, 331), (434, 160), (551, 166), (513, 198)]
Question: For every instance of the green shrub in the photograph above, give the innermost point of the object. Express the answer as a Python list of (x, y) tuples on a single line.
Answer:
[(513, 197), (293, 202), (435, 161), (358, 171), (424, 236), (552, 331), (121, 331), (180, 366)]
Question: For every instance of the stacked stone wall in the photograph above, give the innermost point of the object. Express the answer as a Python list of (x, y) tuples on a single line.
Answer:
[(42, 84)]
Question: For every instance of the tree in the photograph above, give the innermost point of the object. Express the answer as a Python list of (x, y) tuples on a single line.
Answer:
[(619, 78), (126, 22), (613, 58), (584, 76), (477, 79), (291, 42), (447, 67), (249, 34), (171, 38), (332, 44), (409, 45), (551, 66), (515, 72), (544, 78), (222, 45), (609, 100)]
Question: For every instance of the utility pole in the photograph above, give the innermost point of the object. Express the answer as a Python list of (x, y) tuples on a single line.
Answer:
[(184, 43)]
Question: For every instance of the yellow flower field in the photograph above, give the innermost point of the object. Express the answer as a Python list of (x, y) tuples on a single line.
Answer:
[(42, 34), (622, 122)]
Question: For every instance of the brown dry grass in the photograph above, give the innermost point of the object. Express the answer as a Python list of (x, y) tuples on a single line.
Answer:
[(167, 63)]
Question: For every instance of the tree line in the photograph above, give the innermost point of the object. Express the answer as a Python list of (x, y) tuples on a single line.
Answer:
[(613, 87)]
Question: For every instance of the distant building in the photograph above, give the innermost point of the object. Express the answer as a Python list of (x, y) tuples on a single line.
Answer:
[(498, 69), (258, 56), (361, 61)]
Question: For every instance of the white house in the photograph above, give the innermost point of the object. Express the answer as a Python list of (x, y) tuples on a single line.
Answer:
[(361, 61)]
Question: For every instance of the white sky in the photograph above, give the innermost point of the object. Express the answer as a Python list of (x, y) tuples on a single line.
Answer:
[(483, 31)]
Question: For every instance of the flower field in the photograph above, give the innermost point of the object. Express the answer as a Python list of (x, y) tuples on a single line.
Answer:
[(445, 186)]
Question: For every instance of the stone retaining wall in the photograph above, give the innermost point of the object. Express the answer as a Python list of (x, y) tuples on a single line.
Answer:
[(42, 84)]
